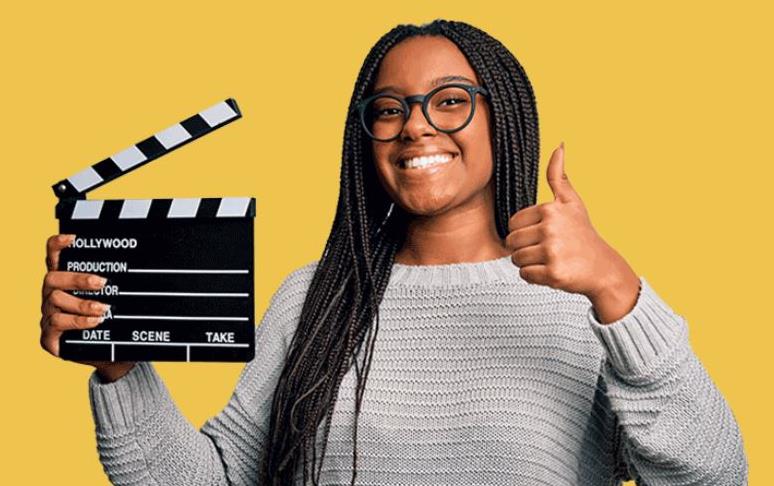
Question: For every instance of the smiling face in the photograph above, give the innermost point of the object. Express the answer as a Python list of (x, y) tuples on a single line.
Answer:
[(415, 66)]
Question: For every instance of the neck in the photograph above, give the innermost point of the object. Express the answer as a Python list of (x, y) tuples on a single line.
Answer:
[(467, 234)]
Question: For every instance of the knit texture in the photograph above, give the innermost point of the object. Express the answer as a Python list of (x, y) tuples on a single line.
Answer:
[(478, 378)]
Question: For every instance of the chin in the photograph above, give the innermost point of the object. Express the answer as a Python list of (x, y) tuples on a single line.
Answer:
[(427, 207)]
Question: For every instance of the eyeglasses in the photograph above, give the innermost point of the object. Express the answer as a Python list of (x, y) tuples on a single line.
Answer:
[(448, 108)]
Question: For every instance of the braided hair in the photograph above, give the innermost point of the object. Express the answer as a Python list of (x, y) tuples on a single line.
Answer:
[(368, 229)]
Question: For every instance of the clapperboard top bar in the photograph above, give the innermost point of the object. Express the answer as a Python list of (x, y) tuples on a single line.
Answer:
[(127, 160), (156, 209)]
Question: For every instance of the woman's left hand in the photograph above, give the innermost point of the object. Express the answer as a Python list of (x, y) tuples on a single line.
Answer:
[(554, 244)]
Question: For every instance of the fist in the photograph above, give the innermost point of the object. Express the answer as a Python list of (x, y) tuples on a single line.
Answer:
[(555, 244), (61, 311)]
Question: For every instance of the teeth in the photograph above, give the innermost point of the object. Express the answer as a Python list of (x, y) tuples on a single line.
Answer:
[(425, 161)]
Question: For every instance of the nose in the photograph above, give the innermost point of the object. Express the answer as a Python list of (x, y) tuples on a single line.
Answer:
[(416, 125)]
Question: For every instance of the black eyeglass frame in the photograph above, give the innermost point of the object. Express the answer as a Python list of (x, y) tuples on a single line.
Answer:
[(423, 100)]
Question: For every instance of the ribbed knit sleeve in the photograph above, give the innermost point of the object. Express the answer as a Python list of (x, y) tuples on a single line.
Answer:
[(143, 438), (676, 426)]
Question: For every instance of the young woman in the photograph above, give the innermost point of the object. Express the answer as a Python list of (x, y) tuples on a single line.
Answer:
[(514, 346)]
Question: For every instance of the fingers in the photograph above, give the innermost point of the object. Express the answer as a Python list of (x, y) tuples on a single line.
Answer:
[(525, 217), (54, 246), (64, 302), (55, 324), (555, 173), (525, 241), (557, 178), (60, 310), (536, 274), (65, 322), (531, 255), (71, 281), (531, 235)]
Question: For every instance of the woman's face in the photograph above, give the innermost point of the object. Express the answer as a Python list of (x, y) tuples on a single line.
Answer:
[(415, 66)]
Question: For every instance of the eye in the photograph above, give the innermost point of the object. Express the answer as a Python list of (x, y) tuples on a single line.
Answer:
[(453, 101), (384, 109), (387, 112)]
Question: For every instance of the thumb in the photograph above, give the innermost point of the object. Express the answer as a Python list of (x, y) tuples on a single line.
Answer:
[(557, 178)]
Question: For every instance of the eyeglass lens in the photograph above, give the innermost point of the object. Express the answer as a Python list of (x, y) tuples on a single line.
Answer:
[(448, 109)]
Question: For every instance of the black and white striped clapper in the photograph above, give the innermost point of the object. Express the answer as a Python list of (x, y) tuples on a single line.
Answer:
[(180, 271)]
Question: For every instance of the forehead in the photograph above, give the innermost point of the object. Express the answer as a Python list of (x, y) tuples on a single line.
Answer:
[(412, 64)]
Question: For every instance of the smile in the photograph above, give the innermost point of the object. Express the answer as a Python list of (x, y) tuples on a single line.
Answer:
[(426, 161)]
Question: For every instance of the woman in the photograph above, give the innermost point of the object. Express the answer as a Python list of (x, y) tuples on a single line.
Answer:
[(513, 346)]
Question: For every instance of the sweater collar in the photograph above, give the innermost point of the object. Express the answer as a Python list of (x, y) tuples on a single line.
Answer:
[(454, 274)]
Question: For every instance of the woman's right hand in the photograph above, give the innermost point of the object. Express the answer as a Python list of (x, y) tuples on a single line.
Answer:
[(61, 311)]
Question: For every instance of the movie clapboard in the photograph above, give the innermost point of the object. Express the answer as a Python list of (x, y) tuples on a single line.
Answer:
[(179, 270)]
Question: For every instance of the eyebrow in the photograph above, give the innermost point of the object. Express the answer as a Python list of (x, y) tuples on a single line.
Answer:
[(433, 83)]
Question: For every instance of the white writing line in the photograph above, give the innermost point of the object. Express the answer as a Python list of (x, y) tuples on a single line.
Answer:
[(140, 343), (182, 318), (186, 294), (181, 270)]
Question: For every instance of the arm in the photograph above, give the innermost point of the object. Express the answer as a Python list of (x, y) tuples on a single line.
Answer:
[(676, 427), (143, 438)]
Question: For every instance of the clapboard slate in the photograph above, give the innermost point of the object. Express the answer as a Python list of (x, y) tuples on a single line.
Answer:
[(180, 271)]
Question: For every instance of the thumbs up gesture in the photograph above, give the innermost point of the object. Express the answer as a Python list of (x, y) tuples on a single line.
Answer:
[(554, 244)]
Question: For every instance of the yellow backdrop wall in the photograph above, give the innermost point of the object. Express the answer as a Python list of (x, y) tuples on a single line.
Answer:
[(664, 109)]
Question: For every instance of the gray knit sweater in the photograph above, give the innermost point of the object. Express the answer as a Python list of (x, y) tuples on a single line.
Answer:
[(478, 378)]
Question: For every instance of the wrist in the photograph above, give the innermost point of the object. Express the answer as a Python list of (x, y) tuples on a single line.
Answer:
[(111, 372), (616, 299)]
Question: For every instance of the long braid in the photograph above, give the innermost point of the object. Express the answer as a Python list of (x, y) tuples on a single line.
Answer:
[(340, 310)]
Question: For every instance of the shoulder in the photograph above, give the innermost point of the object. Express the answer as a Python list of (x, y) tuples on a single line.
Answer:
[(296, 283)]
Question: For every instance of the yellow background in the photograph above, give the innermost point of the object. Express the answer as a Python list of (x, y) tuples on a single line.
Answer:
[(665, 110)]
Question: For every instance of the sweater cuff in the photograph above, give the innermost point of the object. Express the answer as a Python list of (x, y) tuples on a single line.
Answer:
[(117, 407), (639, 341)]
